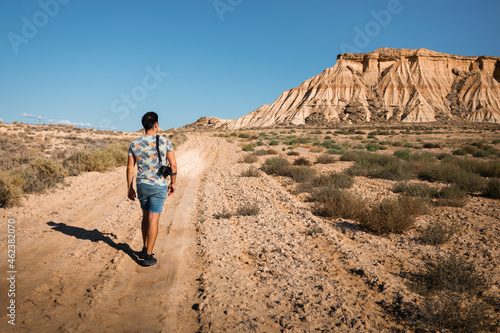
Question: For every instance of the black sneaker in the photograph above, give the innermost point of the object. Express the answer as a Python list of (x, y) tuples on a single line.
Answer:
[(143, 253), (149, 260)]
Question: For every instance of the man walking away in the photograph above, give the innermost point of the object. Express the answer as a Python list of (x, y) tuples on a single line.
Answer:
[(152, 186)]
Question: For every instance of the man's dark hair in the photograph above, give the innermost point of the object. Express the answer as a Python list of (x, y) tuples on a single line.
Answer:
[(149, 120)]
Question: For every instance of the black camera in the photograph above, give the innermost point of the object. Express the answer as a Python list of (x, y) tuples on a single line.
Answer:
[(165, 171)]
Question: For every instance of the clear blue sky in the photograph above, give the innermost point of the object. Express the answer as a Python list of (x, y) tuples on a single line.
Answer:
[(105, 63)]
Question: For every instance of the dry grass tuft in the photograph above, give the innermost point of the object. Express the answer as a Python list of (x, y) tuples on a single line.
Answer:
[(393, 215)]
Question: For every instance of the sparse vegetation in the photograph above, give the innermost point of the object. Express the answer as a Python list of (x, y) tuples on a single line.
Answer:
[(325, 159), (251, 172), (492, 188), (393, 215), (437, 233), (250, 209)]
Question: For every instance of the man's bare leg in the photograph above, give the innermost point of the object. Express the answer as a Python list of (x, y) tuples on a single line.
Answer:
[(152, 231)]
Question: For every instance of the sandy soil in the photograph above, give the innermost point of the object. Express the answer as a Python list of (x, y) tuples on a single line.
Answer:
[(77, 271)]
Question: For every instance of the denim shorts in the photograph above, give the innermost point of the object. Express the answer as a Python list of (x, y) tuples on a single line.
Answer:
[(151, 197)]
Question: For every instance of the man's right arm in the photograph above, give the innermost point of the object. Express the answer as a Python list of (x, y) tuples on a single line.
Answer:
[(130, 177)]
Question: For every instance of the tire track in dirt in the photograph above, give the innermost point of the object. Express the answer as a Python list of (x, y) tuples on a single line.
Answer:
[(77, 269)]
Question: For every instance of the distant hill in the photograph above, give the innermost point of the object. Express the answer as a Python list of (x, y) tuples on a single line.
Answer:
[(388, 85)]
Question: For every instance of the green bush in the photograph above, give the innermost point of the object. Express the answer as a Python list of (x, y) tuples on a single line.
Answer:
[(415, 190), (301, 174), (393, 215), (302, 161), (248, 148), (452, 173), (372, 147), (492, 188), (457, 312), (251, 172), (41, 174), (437, 233), (325, 159), (100, 160), (481, 153), (276, 166), (452, 196), (248, 210), (244, 135), (453, 273), (403, 154), (460, 152), (260, 152), (333, 202), (274, 143), (250, 158), (11, 189), (335, 180)]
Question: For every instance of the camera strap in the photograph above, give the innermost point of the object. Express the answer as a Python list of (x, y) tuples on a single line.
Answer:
[(158, 148)]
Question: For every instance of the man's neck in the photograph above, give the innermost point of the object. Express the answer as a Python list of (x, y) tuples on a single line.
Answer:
[(152, 131)]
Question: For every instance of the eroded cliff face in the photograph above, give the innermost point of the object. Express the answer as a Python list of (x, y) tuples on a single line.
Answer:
[(388, 85)]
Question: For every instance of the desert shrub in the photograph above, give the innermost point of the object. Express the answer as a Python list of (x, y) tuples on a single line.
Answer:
[(460, 152), (272, 152), (415, 190), (437, 233), (392, 215), (276, 166), (224, 214), (248, 210), (41, 174), (244, 135), (431, 145), (314, 230), (302, 161), (99, 160), (248, 148), (481, 153), (452, 196), (260, 152), (453, 273), (11, 189), (372, 147), (457, 312), (470, 149), (403, 154), (274, 143), (334, 202), (492, 188), (300, 174), (325, 159), (398, 144), (335, 180), (380, 166), (250, 158), (177, 139), (251, 172), (293, 153), (452, 173)]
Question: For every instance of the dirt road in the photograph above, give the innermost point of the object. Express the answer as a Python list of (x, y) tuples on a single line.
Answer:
[(77, 270), (282, 270)]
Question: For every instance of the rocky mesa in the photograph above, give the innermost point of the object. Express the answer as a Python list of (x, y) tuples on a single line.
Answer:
[(408, 85)]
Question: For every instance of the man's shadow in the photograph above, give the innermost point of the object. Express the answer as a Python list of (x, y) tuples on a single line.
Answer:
[(94, 236)]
